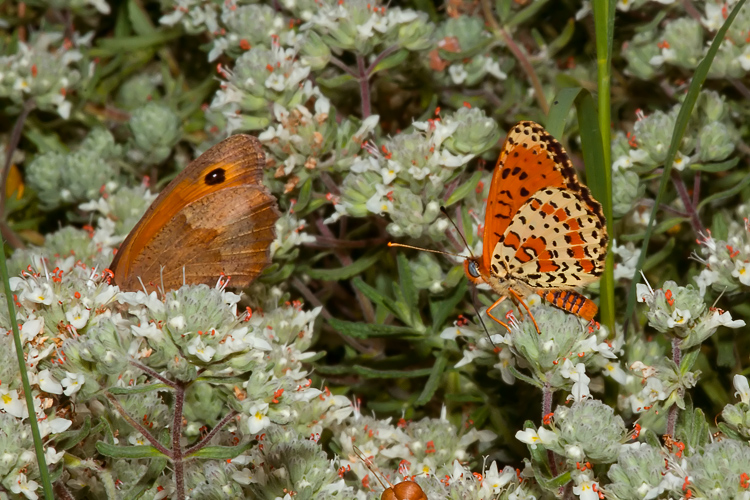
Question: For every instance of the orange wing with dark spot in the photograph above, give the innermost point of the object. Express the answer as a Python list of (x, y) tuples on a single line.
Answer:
[(531, 160)]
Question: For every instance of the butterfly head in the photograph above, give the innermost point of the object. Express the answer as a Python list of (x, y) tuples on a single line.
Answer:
[(473, 270)]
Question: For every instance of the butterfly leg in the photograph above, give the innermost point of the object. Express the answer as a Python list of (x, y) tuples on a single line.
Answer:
[(497, 302), (518, 298)]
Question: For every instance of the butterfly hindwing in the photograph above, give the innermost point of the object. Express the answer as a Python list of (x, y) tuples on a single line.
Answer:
[(554, 241)]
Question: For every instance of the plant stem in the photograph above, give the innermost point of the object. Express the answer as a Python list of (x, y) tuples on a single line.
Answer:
[(177, 462), (380, 57), (672, 416), (695, 221), (546, 410), (137, 425), (203, 442), (38, 447), (364, 86), (502, 34)]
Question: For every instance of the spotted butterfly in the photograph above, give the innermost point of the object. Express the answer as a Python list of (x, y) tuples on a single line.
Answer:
[(544, 232)]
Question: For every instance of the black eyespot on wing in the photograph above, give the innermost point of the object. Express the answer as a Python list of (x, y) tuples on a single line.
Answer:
[(215, 176)]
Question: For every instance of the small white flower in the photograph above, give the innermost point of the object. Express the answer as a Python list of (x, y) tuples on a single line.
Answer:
[(615, 371), (643, 292), (497, 481), (743, 389), (706, 278), (457, 73), (532, 437), (52, 456), (258, 419), (680, 317), (390, 171), (276, 81), (742, 271), (31, 329), (586, 488), (714, 15), (197, 348), (493, 68), (47, 382), (624, 162), (22, 485), (78, 316), (72, 382), (681, 161), (724, 319), (11, 404)]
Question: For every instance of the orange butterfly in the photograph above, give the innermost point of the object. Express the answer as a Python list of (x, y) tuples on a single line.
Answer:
[(543, 230)]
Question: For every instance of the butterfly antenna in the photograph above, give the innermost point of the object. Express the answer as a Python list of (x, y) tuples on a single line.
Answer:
[(391, 244), (445, 212), (368, 464)]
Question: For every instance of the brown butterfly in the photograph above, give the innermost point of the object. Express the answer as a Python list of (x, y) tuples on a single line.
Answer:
[(215, 217)]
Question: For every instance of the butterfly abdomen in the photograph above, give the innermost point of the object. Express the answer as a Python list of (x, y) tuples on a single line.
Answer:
[(572, 302)]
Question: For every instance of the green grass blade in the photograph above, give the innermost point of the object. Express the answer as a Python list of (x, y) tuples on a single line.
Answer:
[(604, 26), (701, 72), (598, 173), (38, 448)]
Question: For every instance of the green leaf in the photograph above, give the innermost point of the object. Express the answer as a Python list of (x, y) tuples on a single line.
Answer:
[(221, 452), (346, 272), (726, 194), (139, 20), (390, 61), (441, 309), (681, 124), (304, 195), (716, 167), (730, 432), (139, 389), (554, 483), (112, 46), (336, 81), (688, 359), (503, 9), (563, 39), (434, 381), (368, 330), (130, 452), (466, 54), (692, 428), (68, 439), (526, 13), (375, 296), (372, 373), (463, 189), (409, 291)]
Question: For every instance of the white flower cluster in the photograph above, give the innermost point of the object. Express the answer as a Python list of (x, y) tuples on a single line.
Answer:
[(44, 70)]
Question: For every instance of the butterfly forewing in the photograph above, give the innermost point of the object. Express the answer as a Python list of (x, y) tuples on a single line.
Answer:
[(215, 217)]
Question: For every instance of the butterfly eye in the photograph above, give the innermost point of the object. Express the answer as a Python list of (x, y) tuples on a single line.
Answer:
[(473, 270), (215, 176)]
